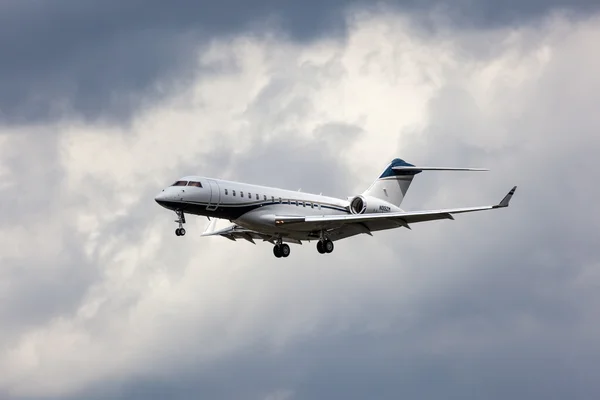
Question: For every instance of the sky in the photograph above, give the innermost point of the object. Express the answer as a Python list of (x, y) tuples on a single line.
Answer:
[(104, 103)]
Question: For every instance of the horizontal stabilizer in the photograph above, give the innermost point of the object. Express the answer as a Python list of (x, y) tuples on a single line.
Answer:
[(407, 168)]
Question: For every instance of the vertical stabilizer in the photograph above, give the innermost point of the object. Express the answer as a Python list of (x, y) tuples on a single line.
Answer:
[(392, 184)]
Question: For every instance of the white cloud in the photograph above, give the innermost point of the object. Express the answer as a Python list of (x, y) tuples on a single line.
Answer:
[(514, 99)]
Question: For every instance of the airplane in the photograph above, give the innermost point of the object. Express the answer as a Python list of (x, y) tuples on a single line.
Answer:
[(282, 216)]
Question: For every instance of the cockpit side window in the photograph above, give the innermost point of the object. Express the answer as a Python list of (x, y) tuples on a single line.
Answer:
[(197, 184), (180, 183)]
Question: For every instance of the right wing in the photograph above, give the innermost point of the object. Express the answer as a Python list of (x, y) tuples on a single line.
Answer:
[(419, 169), (234, 232), (395, 218)]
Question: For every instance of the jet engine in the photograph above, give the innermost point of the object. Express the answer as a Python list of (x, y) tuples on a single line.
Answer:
[(367, 204), (358, 205)]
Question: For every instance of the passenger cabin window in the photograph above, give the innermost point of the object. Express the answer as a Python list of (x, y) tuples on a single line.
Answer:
[(265, 197), (249, 195), (273, 199), (257, 198), (180, 183), (312, 205), (303, 204), (225, 192), (233, 192), (241, 194), (197, 184), (280, 200)]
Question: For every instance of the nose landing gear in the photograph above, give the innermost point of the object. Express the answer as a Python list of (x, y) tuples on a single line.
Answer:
[(180, 220)]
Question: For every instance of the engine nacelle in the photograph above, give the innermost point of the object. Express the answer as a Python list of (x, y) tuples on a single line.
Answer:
[(366, 205), (358, 205)]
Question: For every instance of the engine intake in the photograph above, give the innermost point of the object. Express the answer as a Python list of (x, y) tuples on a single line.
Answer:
[(366, 205), (358, 205)]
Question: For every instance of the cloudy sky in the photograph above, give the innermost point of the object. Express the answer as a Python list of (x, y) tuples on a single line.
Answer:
[(103, 103)]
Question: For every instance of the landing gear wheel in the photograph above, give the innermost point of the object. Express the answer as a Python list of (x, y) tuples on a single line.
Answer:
[(277, 251), (284, 250), (180, 232), (320, 248), (328, 246), (177, 232)]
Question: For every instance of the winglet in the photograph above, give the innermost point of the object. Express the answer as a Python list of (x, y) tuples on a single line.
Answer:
[(506, 199), (210, 228)]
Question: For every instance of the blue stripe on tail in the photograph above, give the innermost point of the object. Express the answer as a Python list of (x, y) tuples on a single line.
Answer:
[(397, 162)]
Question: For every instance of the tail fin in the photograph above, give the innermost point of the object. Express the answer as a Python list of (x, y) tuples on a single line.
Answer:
[(392, 184), (394, 181)]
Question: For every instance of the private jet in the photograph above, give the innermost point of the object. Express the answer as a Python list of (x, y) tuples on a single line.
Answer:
[(282, 216)]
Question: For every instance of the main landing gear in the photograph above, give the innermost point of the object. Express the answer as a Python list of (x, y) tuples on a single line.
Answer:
[(324, 246), (281, 249), (180, 220)]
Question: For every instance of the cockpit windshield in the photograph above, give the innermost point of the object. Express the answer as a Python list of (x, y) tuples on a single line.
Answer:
[(180, 183), (197, 184)]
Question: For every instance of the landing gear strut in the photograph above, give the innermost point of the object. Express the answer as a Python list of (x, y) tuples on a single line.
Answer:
[(281, 249), (180, 220)]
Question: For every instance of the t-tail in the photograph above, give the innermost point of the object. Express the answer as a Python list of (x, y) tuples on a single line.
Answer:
[(394, 181)]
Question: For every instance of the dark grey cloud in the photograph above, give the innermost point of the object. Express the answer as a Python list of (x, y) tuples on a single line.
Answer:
[(102, 60), (344, 366)]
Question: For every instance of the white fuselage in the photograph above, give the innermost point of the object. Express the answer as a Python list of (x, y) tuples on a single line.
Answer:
[(252, 206)]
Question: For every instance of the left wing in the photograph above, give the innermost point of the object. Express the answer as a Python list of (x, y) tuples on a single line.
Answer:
[(234, 232), (399, 218)]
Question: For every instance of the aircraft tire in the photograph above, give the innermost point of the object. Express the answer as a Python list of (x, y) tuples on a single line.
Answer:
[(277, 251), (320, 247), (285, 250), (328, 246)]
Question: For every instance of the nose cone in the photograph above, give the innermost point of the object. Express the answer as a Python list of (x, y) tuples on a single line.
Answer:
[(161, 198), (169, 198)]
